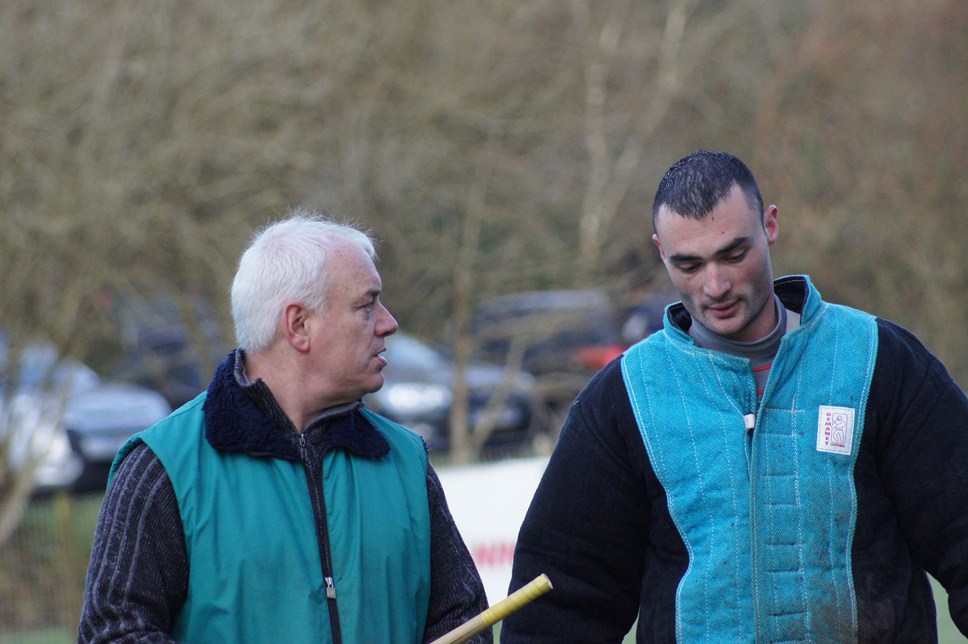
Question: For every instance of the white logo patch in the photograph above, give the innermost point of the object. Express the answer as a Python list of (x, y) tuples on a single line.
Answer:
[(835, 430)]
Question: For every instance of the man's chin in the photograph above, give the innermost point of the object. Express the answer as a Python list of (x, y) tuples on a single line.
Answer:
[(376, 384), (728, 328)]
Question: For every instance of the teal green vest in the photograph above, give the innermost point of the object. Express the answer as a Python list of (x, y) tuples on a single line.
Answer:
[(253, 552), (767, 516)]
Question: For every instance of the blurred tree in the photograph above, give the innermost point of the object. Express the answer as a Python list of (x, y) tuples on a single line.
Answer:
[(863, 146), (492, 147)]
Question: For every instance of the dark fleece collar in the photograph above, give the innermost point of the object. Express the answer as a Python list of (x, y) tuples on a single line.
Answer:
[(243, 417), (791, 289)]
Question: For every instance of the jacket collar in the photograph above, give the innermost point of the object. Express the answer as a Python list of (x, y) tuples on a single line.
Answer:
[(244, 417), (796, 293)]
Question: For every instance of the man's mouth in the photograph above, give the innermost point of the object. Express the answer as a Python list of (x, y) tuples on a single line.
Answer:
[(721, 311), (381, 358)]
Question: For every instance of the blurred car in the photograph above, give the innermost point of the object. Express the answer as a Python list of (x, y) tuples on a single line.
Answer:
[(169, 344), (60, 412), (575, 331), (418, 393), (645, 317), (561, 337)]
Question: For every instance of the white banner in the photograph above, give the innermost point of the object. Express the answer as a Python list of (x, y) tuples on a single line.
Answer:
[(489, 503)]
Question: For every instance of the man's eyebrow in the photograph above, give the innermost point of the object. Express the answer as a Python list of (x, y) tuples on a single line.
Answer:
[(369, 295), (725, 250)]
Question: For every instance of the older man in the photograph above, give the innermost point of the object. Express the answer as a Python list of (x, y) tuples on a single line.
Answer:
[(274, 507)]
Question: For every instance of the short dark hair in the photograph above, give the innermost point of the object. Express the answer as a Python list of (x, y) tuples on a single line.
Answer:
[(697, 182)]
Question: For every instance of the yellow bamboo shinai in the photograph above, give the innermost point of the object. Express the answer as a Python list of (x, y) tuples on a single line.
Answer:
[(537, 587)]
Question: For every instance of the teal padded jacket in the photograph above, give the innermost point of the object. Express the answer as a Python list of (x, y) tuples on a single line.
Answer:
[(761, 491)]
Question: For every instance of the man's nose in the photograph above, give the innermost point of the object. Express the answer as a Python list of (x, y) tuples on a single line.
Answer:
[(716, 282), (386, 324)]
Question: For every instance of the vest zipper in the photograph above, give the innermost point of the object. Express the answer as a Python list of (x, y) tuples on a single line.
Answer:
[(749, 422), (318, 499)]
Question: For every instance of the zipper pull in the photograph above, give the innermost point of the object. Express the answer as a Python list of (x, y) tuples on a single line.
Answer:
[(330, 588), (750, 420), (303, 452)]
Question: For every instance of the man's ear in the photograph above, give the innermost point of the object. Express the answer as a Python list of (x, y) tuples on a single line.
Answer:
[(296, 327), (770, 226), (655, 239)]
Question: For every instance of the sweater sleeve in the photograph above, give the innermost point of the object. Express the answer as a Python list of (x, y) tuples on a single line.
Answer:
[(138, 575), (456, 590), (922, 449), (587, 527)]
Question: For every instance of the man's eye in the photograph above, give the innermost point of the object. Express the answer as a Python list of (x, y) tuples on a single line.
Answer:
[(736, 257), (688, 268)]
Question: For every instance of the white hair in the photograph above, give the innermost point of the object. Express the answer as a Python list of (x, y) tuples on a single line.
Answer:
[(285, 262)]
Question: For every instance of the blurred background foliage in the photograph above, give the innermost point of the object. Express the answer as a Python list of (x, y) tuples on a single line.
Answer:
[(492, 146)]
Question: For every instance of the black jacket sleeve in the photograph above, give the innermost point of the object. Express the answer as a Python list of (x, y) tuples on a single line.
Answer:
[(588, 525), (921, 449)]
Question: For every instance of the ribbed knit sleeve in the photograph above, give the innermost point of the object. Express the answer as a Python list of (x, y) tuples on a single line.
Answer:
[(138, 574), (456, 590)]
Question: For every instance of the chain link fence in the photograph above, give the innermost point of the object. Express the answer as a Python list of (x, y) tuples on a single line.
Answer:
[(43, 567)]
